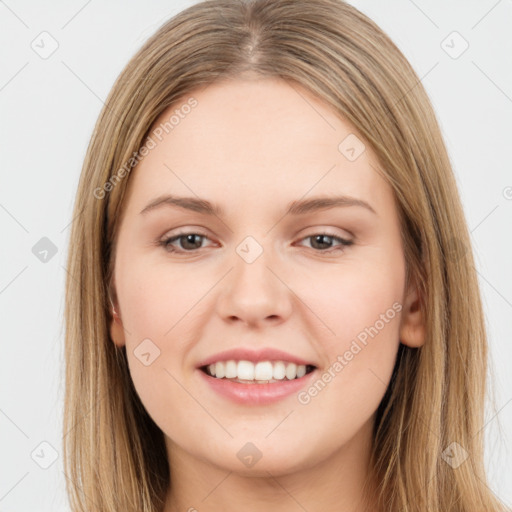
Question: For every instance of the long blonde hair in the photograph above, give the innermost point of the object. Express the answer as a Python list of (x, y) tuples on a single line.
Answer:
[(115, 457)]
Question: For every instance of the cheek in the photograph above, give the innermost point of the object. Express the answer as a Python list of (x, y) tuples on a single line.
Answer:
[(361, 307), (352, 299), (158, 302), (155, 298)]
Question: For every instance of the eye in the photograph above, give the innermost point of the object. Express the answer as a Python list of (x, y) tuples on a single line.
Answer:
[(189, 242), (323, 241)]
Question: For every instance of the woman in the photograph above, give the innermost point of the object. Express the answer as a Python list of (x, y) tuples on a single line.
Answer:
[(271, 301)]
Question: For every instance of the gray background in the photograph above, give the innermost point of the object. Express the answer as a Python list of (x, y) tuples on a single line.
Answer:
[(48, 109)]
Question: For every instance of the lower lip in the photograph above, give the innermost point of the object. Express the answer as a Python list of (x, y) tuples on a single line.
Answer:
[(257, 394)]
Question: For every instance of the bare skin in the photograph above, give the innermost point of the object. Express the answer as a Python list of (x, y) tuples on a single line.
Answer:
[(253, 147)]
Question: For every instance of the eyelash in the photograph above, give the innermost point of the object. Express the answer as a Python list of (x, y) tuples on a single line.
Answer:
[(165, 243)]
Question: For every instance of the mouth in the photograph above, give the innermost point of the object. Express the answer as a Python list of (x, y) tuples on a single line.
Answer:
[(262, 372)]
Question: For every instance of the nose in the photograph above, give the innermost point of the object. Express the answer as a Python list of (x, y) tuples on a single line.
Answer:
[(255, 293)]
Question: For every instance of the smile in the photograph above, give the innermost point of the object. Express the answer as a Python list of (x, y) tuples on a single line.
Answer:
[(262, 372), (257, 387)]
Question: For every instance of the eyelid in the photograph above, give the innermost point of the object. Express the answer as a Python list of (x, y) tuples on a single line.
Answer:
[(166, 239), (187, 230), (344, 234), (326, 232), (343, 241)]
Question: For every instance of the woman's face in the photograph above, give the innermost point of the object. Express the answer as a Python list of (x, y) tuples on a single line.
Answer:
[(265, 265)]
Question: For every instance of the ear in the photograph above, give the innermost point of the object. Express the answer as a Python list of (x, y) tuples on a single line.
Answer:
[(412, 325), (116, 324), (116, 328)]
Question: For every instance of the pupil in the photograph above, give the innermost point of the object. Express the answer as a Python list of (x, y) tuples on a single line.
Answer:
[(190, 238), (321, 237)]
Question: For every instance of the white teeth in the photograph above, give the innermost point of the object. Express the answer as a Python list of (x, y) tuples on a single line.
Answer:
[(262, 371), (220, 369), (231, 370), (291, 371), (245, 370), (279, 371)]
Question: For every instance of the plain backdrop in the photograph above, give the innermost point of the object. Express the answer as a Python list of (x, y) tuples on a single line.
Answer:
[(49, 103)]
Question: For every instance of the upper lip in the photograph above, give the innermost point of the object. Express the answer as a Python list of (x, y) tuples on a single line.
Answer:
[(248, 354)]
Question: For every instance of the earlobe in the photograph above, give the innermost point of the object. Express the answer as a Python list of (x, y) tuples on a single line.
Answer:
[(412, 326), (116, 327)]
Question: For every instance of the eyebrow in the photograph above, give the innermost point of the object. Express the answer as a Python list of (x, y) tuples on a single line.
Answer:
[(299, 207)]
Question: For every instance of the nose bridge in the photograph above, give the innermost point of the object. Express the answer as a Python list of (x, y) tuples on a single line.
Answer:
[(254, 292), (252, 276)]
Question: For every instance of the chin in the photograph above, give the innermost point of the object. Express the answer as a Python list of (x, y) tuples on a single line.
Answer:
[(261, 458)]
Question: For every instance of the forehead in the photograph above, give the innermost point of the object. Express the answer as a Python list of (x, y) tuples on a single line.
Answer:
[(245, 141)]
